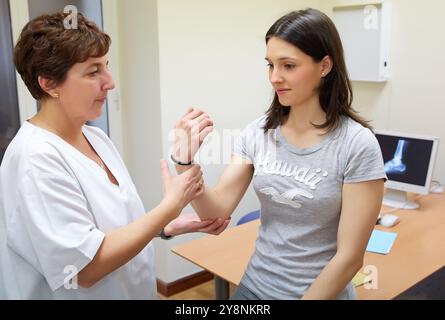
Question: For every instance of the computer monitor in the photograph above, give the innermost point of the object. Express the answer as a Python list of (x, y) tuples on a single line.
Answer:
[(409, 161)]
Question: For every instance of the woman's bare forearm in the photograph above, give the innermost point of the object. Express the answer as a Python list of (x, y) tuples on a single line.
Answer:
[(221, 200), (122, 244), (209, 205)]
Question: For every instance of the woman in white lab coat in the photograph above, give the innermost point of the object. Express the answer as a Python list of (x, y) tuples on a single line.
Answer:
[(73, 225)]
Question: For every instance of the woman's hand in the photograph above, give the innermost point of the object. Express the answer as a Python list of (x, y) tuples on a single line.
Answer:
[(191, 222), (190, 132), (181, 189)]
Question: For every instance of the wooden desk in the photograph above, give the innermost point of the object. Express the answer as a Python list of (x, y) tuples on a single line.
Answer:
[(418, 251)]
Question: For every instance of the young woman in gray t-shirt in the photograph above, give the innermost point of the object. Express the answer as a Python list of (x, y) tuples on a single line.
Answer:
[(315, 165)]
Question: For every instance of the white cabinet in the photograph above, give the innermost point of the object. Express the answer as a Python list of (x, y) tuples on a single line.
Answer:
[(365, 33)]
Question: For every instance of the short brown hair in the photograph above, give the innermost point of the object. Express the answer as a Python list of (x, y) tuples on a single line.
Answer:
[(46, 48)]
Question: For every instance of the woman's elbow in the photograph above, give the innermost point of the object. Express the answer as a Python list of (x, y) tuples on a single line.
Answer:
[(352, 262), (356, 263), (85, 281), (85, 284)]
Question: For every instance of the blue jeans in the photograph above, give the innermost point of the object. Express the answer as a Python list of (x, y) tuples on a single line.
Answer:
[(243, 293)]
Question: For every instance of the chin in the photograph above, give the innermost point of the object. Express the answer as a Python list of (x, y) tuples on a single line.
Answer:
[(284, 102), (94, 117), (96, 114)]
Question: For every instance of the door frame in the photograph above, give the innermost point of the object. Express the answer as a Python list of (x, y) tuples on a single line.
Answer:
[(19, 17)]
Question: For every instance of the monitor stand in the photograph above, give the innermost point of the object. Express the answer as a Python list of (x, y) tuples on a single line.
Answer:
[(398, 199)]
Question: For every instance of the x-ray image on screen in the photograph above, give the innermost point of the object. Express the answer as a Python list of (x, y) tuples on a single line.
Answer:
[(406, 159), (396, 165)]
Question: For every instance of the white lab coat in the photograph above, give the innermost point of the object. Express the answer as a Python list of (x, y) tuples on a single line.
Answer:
[(56, 206)]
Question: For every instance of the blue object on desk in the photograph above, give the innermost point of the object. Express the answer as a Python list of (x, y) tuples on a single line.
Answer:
[(381, 241), (249, 217)]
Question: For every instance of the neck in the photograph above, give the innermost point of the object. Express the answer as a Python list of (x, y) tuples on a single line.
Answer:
[(52, 117), (302, 116)]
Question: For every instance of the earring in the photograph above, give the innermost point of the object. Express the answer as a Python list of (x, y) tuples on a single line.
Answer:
[(56, 95), (322, 74)]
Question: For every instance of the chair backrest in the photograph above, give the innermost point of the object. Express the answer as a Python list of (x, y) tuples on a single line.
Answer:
[(249, 217)]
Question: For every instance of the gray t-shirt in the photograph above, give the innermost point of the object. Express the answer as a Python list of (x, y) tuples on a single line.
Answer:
[(300, 192)]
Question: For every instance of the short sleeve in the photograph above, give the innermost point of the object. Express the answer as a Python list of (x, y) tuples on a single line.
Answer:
[(52, 227), (250, 140), (240, 146), (364, 159)]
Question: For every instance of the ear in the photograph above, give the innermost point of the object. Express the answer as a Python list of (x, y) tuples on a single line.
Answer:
[(48, 86), (326, 66)]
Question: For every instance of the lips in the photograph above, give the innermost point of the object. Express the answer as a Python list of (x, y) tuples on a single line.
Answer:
[(281, 91)]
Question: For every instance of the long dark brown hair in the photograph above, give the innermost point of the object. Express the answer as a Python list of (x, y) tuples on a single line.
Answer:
[(315, 34)]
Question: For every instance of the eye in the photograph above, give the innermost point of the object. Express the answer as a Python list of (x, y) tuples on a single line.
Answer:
[(270, 65), (289, 66), (94, 72)]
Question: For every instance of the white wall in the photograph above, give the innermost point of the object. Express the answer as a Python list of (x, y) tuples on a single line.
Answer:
[(412, 100), (140, 96), (140, 103)]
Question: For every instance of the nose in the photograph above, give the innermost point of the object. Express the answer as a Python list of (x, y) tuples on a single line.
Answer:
[(109, 82), (275, 76)]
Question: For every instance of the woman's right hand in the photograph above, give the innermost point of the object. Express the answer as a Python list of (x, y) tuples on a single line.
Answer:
[(190, 132), (181, 189)]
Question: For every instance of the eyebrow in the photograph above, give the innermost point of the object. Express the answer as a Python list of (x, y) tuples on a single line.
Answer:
[(96, 64), (282, 58)]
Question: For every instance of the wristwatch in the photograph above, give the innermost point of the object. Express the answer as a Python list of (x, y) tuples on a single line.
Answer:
[(162, 235)]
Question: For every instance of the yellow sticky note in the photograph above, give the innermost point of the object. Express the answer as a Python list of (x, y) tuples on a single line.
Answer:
[(359, 279)]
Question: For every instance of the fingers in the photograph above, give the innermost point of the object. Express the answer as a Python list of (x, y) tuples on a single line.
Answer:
[(205, 126), (165, 170), (199, 191), (222, 227), (198, 182), (196, 118), (214, 224), (193, 114), (193, 179), (195, 126), (194, 170), (189, 109), (204, 121), (196, 179), (198, 226), (216, 227), (203, 134), (195, 183)]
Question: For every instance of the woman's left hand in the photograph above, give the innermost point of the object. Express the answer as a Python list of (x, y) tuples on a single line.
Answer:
[(190, 132), (191, 222)]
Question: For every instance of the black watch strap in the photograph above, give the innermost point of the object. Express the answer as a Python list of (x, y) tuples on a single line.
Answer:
[(179, 162), (162, 235)]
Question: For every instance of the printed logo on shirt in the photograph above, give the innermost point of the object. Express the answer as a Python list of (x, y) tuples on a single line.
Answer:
[(288, 196), (307, 176)]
